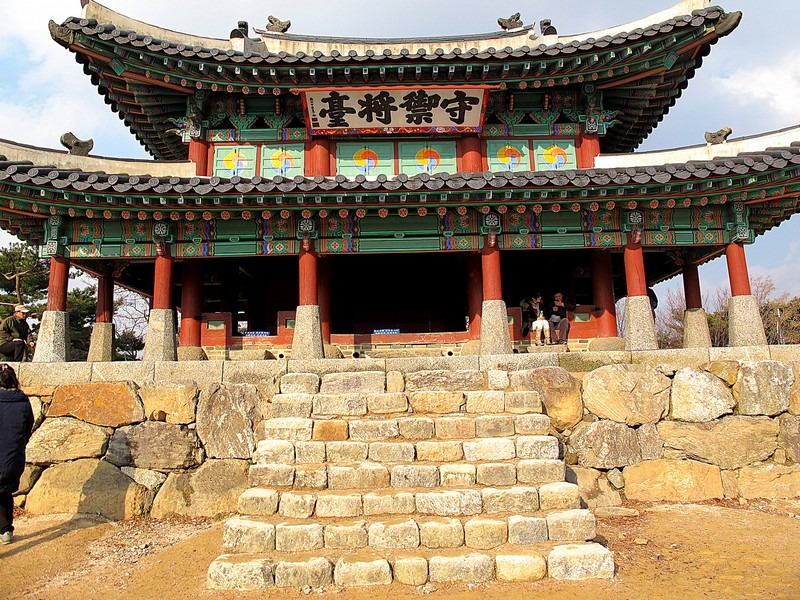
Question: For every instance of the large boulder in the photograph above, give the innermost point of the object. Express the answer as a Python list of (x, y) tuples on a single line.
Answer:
[(790, 436), (63, 439), (88, 486), (672, 481), (730, 443), (699, 396), (631, 394), (763, 387), (110, 404), (770, 480), (153, 445), (226, 417), (170, 402), (210, 490), (605, 445), (794, 393), (560, 393)]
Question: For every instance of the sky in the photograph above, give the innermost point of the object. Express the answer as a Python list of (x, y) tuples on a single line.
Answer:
[(750, 81)]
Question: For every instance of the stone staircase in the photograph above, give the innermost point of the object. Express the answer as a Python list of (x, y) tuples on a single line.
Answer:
[(358, 483)]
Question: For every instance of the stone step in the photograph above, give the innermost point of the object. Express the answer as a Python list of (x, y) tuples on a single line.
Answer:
[(407, 428), (365, 568), (545, 498), (264, 534), (354, 403), (288, 452)]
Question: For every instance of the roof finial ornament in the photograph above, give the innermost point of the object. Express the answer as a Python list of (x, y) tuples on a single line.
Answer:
[(277, 25), (718, 137), (75, 146), (512, 22), (546, 28)]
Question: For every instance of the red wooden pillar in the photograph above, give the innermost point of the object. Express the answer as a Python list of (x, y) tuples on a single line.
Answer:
[(737, 270), (58, 283), (635, 279), (162, 279), (471, 156), (324, 299), (198, 154), (691, 285), (490, 267), (104, 312), (191, 303), (588, 148), (308, 274), (474, 295), (603, 292), (318, 158)]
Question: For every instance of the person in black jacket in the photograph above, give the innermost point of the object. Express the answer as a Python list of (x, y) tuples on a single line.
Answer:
[(15, 334), (16, 425), (557, 316)]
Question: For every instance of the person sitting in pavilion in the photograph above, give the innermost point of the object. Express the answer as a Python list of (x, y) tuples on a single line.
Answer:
[(531, 307), (556, 312), (15, 334)]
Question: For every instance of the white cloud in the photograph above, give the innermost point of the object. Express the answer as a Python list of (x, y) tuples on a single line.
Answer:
[(771, 87)]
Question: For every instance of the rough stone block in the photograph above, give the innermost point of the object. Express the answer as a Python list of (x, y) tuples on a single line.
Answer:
[(436, 402), (496, 379), (349, 405), (391, 452), (299, 383), (673, 481), (290, 405), (311, 477), (526, 531), (455, 428), (395, 382), (108, 404), (258, 501), (449, 503), (472, 568), (523, 402), (312, 573), (571, 525), (346, 537), (172, 403), (201, 372), (240, 573), (272, 475), (247, 536), (416, 428), (364, 381), (274, 451), (404, 476), (489, 449), (439, 452), (494, 426), (346, 452), (256, 372), (291, 429), (394, 534), (330, 430), (388, 403), (366, 476), (354, 571), (299, 538), (457, 475), (540, 471), (441, 533), (580, 561), (410, 570), (388, 503), (520, 567), (518, 499), (496, 474), (444, 380), (559, 495), (540, 447), (368, 431), (338, 505), (532, 424), (309, 452), (485, 401), (297, 506)]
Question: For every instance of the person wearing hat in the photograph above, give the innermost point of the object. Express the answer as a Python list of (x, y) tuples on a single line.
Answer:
[(14, 334)]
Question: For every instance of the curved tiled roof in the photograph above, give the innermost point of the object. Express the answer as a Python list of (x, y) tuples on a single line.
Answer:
[(147, 79)]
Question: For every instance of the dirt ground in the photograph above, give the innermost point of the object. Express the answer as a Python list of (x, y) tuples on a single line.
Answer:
[(716, 550)]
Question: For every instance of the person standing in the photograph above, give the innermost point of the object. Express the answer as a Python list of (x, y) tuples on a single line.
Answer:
[(16, 425), (15, 333)]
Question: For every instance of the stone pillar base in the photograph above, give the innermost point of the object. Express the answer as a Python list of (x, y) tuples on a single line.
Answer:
[(53, 339), (159, 342), (495, 337), (101, 345), (191, 353), (745, 327), (640, 328), (695, 329), (307, 339)]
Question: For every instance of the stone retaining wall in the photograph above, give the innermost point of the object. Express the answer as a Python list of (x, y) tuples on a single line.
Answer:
[(129, 439)]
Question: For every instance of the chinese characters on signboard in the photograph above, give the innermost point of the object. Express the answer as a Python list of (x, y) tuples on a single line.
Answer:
[(395, 109)]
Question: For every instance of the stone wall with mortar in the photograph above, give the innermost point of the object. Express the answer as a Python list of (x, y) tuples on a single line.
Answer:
[(129, 439)]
